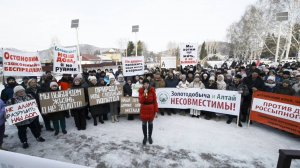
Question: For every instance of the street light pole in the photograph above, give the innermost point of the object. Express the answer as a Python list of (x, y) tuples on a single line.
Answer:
[(75, 24)]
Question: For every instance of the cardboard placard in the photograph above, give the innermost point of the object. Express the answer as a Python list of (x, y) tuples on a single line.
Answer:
[(51, 102), (130, 105), (22, 111), (104, 94)]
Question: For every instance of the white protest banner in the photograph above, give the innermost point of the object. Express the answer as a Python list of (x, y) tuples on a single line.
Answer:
[(135, 89), (18, 63), (188, 54), (219, 101), (65, 60), (168, 62), (22, 111), (133, 66), (104, 94), (17, 160)]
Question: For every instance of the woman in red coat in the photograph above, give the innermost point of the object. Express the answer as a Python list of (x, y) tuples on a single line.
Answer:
[(148, 110)]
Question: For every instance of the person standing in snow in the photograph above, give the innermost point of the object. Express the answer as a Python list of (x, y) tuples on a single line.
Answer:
[(113, 106), (57, 118), (19, 97), (148, 109), (79, 113), (196, 84), (2, 122)]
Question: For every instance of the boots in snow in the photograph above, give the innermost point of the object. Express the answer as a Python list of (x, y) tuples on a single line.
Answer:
[(116, 118), (145, 133), (150, 127)]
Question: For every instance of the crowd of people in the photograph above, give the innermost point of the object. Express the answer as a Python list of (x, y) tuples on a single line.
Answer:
[(241, 77)]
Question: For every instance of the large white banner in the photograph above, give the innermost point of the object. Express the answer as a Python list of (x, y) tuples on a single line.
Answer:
[(168, 62), (133, 65), (219, 101), (18, 63), (17, 160), (22, 111), (65, 60), (188, 54)]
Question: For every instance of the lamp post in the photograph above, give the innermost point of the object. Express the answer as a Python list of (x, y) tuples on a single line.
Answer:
[(75, 24), (135, 29), (283, 16)]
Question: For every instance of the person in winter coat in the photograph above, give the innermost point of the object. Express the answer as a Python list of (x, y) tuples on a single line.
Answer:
[(254, 83), (19, 97), (296, 86), (45, 81), (270, 84), (221, 85), (57, 118), (24, 82), (205, 78), (8, 92), (237, 85), (96, 109), (85, 85), (159, 82), (171, 82), (2, 122), (183, 83), (285, 88), (127, 92), (196, 84), (33, 89), (211, 85), (113, 106), (148, 110), (79, 113)]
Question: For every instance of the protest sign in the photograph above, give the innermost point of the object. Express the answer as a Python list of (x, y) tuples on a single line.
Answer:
[(133, 66), (130, 105), (18, 63), (51, 102), (135, 89), (104, 94), (276, 110), (219, 101), (65, 60), (22, 111), (168, 62), (188, 54)]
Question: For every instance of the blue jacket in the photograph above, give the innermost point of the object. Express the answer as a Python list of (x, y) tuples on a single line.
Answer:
[(2, 112)]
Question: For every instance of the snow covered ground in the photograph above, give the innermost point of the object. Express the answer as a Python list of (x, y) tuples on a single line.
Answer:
[(179, 141)]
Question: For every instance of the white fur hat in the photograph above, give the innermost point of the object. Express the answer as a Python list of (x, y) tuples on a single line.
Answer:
[(92, 78), (271, 78), (18, 88), (53, 84)]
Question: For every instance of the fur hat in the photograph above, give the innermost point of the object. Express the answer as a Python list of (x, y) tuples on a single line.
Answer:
[(77, 78), (238, 76), (31, 80), (297, 74), (92, 78), (212, 78), (10, 78), (53, 84), (145, 81), (18, 88), (286, 72), (271, 78)]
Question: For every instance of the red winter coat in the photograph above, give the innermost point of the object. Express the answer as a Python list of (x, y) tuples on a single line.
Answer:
[(148, 104)]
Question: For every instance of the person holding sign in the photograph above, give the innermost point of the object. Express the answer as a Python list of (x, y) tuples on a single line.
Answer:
[(58, 118), (148, 110), (19, 97), (113, 106), (2, 122)]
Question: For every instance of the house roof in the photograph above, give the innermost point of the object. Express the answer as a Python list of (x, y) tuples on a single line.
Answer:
[(87, 57)]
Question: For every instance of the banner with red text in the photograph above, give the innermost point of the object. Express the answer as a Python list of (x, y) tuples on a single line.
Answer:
[(188, 54), (276, 110), (18, 63), (65, 60), (22, 111), (133, 66), (219, 101)]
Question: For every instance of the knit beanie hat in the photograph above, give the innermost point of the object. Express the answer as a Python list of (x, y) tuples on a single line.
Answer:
[(53, 84), (271, 78), (18, 88)]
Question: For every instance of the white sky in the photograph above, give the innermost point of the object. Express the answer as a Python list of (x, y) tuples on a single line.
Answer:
[(30, 25)]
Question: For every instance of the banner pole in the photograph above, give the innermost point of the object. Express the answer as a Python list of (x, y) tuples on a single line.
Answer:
[(250, 111)]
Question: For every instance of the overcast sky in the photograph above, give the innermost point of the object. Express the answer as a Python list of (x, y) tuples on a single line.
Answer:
[(30, 25)]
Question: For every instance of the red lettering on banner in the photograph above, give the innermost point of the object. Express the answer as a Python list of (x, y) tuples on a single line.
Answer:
[(17, 119)]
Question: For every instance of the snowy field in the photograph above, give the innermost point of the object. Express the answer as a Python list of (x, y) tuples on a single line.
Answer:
[(179, 141)]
